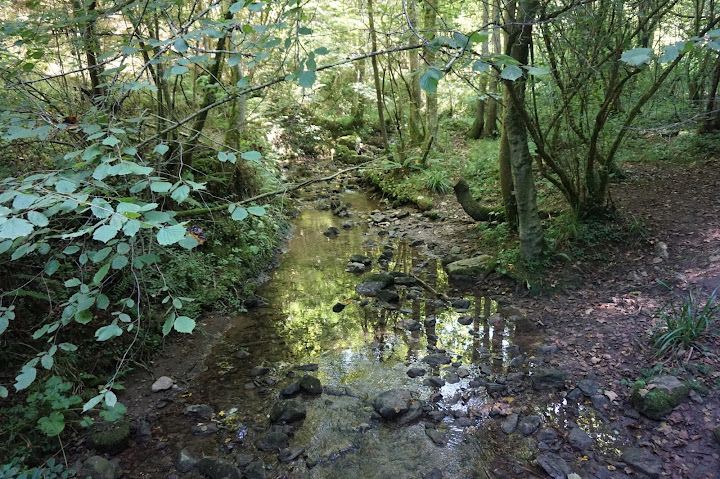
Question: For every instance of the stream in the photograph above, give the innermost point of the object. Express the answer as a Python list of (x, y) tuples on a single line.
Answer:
[(312, 322)]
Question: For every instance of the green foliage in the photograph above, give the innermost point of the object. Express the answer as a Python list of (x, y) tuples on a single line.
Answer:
[(685, 324)]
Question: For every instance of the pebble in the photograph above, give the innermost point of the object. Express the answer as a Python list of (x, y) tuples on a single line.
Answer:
[(162, 383)]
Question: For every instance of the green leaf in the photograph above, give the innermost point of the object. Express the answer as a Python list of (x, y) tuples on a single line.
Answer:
[(110, 399), (65, 186), (15, 228), (25, 378), (322, 51), (4, 323), (102, 301), (537, 71), (3, 392), (307, 79), (188, 242), (53, 424), (123, 248), (100, 275), (83, 317), (429, 80), (72, 249), (236, 7), (170, 234), (160, 186), (5, 245), (131, 227), (119, 262), (161, 149), (670, 53), (256, 211), (479, 37), (480, 66), (251, 155), (180, 45), (105, 233), (71, 283), (511, 72), (93, 402), (47, 361), (239, 214), (100, 255), (167, 327), (108, 332), (111, 141), (52, 266), (178, 70), (183, 324), (636, 56), (180, 193), (37, 218)]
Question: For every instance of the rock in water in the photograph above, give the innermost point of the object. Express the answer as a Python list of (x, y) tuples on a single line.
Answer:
[(392, 404), (478, 267), (311, 385), (287, 411), (374, 283), (436, 359)]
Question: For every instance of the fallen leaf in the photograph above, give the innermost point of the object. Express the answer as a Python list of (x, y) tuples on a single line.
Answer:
[(611, 395)]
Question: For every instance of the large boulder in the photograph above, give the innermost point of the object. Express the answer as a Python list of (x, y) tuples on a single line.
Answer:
[(643, 461), (478, 267), (659, 396), (393, 404)]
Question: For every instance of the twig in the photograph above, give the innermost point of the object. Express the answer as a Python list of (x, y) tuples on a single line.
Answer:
[(430, 288)]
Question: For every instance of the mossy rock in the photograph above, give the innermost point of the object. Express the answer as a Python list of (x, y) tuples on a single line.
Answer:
[(659, 396), (109, 437)]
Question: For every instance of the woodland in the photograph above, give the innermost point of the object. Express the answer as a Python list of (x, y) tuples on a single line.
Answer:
[(152, 152)]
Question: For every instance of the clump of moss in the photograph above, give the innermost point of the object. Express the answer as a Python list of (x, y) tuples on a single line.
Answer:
[(659, 397), (109, 437)]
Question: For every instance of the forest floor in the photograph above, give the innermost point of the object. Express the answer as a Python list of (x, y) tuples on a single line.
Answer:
[(597, 311)]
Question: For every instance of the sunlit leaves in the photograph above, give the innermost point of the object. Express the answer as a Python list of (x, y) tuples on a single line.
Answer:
[(105, 233), (108, 332)]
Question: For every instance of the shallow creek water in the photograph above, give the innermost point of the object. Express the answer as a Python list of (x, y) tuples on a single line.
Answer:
[(358, 353)]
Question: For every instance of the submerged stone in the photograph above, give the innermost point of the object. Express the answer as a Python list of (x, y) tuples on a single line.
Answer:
[(436, 359), (374, 283), (288, 411), (311, 385), (392, 404)]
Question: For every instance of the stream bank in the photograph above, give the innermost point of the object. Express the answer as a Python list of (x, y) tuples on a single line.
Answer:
[(497, 398)]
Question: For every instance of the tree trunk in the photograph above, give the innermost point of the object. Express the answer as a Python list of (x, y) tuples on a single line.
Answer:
[(376, 77), (431, 109), (490, 130), (415, 124), (91, 47), (478, 126), (520, 38)]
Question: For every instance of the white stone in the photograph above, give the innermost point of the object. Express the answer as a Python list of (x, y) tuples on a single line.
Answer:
[(162, 384)]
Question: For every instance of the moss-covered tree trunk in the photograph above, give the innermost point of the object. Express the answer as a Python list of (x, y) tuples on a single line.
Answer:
[(531, 236), (376, 78), (431, 101), (415, 126)]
